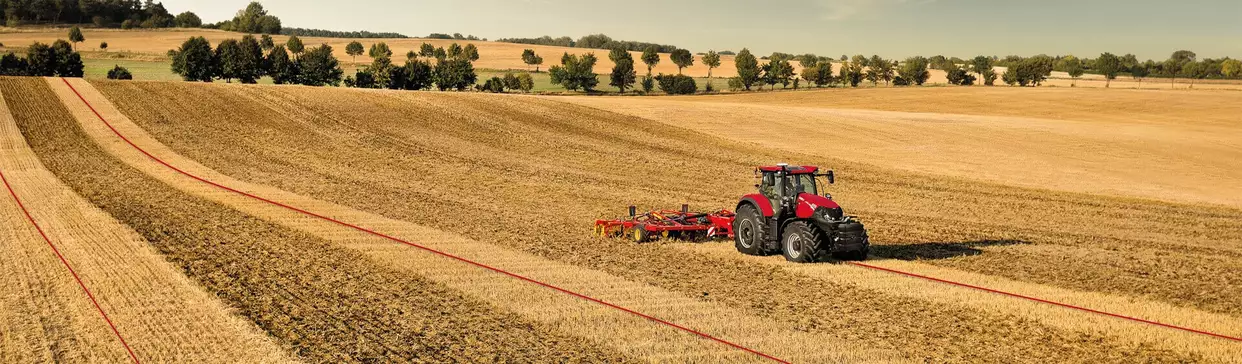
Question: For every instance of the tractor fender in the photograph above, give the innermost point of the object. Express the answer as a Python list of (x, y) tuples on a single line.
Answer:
[(760, 202), (807, 203)]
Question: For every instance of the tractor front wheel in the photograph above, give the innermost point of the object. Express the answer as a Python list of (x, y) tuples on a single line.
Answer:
[(639, 233), (802, 242), (750, 230)]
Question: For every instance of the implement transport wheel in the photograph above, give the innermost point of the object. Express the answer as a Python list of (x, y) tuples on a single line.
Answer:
[(639, 233), (599, 230), (750, 230), (802, 242)]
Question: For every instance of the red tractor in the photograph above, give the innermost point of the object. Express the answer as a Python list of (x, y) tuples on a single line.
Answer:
[(790, 216)]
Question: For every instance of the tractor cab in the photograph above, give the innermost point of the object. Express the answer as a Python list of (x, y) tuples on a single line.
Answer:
[(781, 181)]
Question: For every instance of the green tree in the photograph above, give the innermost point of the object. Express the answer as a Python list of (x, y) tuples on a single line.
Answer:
[(748, 70), (512, 82), (1108, 65), (319, 67), (427, 50), (884, 69), (575, 73), (228, 59), (989, 77), (861, 60), (75, 36), (295, 46), (455, 51), (119, 73), (914, 70), (420, 74), (381, 71), (194, 60), (454, 74), (103, 46), (378, 50), (1231, 68), (711, 60), (852, 72), (187, 20), (526, 81), (651, 57), (267, 42), (250, 60), (254, 19), (676, 84), (980, 65), (1073, 66), (471, 52), (780, 71), (531, 59), (1195, 70), (1138, 72), (623, 75), (278, 65), (65, 61), (440, 54), (682, 58), (354, 49)]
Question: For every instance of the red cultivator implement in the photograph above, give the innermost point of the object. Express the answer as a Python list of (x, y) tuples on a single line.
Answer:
[(669, 224)]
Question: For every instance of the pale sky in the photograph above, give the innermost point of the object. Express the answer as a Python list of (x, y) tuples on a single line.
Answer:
[(889, 28)]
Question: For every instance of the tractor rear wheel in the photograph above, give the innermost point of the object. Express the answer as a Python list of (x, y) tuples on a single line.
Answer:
[(750, 230), (802, 243)]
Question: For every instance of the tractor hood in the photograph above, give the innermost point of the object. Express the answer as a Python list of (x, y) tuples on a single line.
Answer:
[(807, 203)]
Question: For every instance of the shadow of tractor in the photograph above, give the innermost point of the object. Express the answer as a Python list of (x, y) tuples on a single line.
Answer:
[(930, 251)]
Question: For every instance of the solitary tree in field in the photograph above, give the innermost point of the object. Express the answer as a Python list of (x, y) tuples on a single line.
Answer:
[(354, 49), (682, 58), (1138, 72), (747, 68), (103, 46), (531, 59), (575, 73), (1073, 66), (1108, 65), (75, 36), (651, 57), (623, 75), (711, 60), (427, 50), (295, 46)]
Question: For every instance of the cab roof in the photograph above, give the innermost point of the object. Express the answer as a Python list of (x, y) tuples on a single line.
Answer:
[(791, 169)]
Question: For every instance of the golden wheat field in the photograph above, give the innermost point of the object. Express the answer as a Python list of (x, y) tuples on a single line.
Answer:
[(1103, 202)]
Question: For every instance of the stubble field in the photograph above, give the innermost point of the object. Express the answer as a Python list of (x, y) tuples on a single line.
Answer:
[(518, 180)]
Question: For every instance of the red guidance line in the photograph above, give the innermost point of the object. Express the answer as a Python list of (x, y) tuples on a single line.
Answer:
[(424, 248), (69, 267), (1040, 300)]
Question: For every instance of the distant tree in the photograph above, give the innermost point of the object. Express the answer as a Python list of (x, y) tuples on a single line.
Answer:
[(1194, 70), (41, 60), (267, 42), (807, 60), (651, 57), (844, 58), (1183, 56), (75, 36), (440, 54), (103, 46), (1073, 66), (531, 59), (319, 67), (471, 52), (852, 72), (623, 75), (884, 69), (989, 77), (493, 85), (427, 50), (959, 76), (914, 70), (1231, 68), (980, 65), (420, 74), (187, 20), (194, 60), (119, 73), (378, 50), (780, 71), (454, 74), (280, 67), (1171, 68), (575, 73), (647, 83), (130, 24), (254, 19), (354, 49), (676, 84), (228, 59), (512, 82), (411, 55), (937, 62), (65, 61), (748, 71), (1011, 76), (295, 46), (819, 74), (711, 60), (526, 81), (682, 58), (455, 51), (250, 60), (1138, 72), (861, 60), (1108, 65), (381, 73)]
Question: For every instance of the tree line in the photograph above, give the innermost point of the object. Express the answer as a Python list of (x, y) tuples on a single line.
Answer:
[(55, 60), (244, 60), (102, 13), (598, 41), (337, 34), (449, 68)]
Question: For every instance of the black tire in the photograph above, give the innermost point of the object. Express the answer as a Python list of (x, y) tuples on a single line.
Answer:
[(749, 230), (803, 243)]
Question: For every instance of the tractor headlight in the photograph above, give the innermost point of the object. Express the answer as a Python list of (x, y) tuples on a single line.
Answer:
[(827, 195)]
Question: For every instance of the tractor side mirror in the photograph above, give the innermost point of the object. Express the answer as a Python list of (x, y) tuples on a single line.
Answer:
[(832, 178)]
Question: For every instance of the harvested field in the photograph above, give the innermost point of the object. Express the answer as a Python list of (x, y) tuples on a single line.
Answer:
[(626, 333), (1173, 146), (558, 166), (46, 317), (325, 303)]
